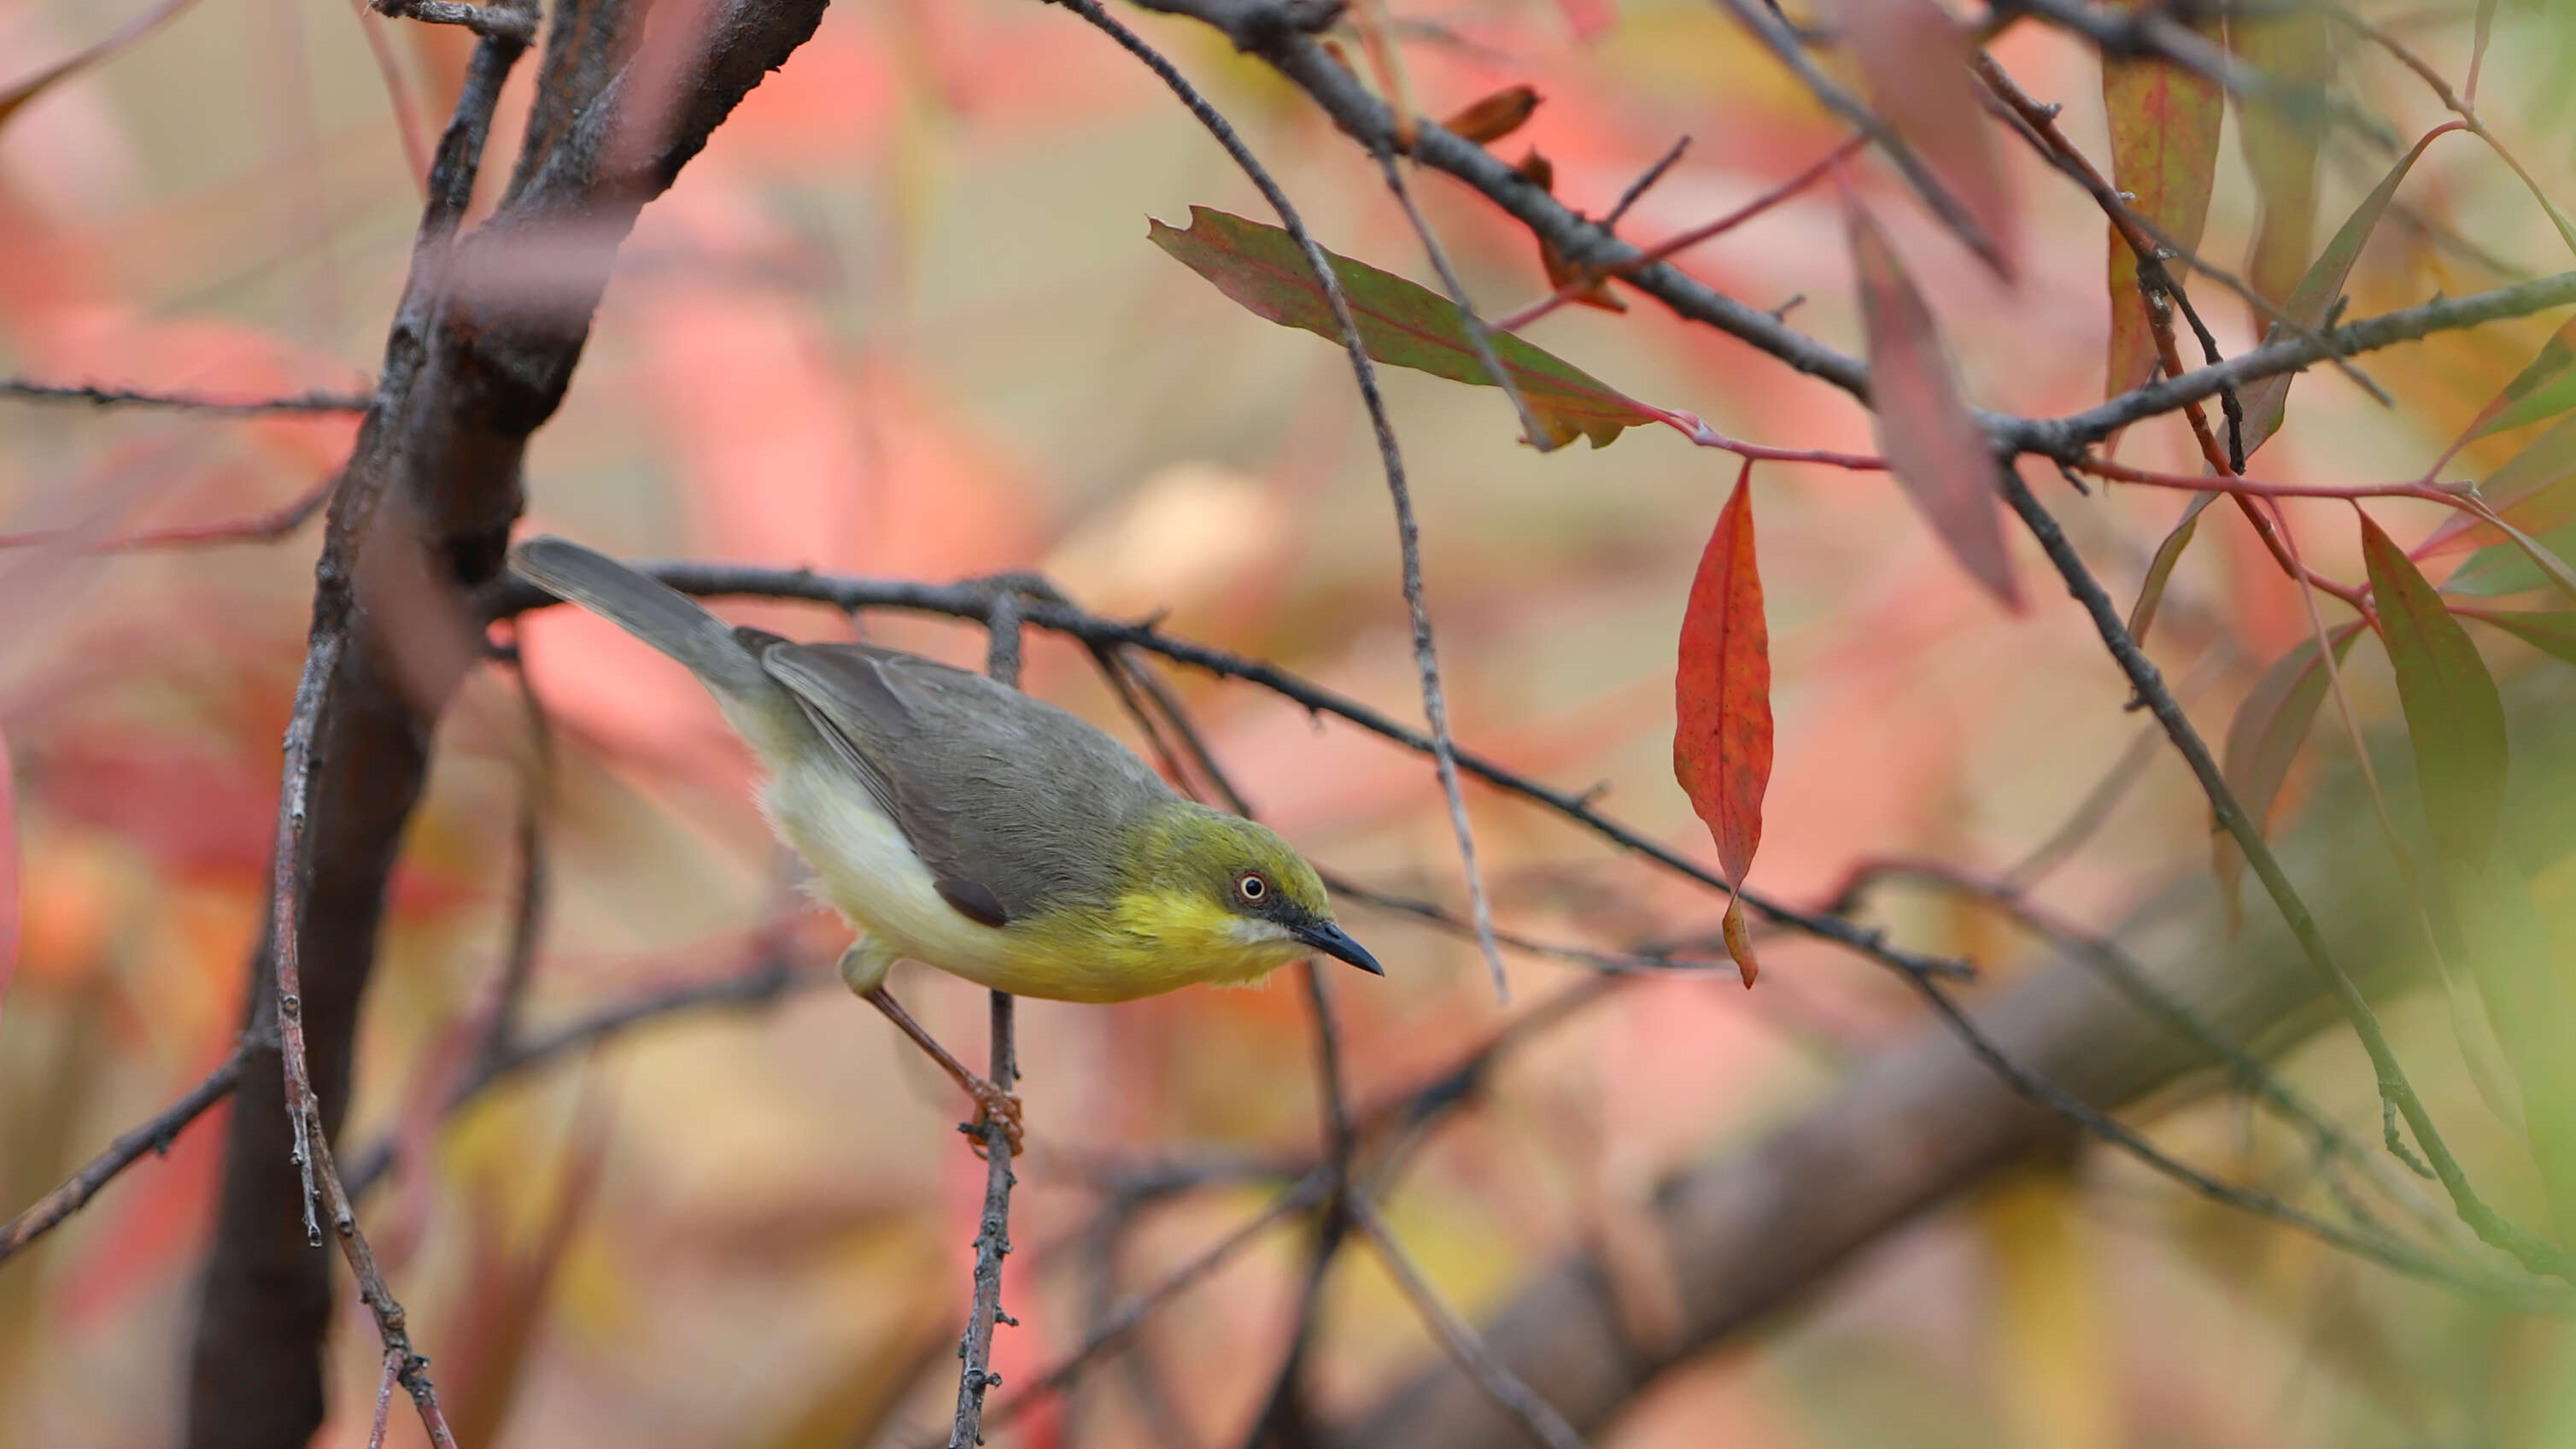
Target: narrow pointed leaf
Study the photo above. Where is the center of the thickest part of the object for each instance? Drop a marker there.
(2511, 567)
(1722, 688)
(2317, 291)
(2454, 718)
(2521, 970)
(2151, 592)
(1934, 447)
(2164, 156)
(1915, 59)
(2535, 489)
(2296, 48)
(1401, 324)
(2551, 633)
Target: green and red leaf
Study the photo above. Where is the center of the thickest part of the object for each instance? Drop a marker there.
(2454, 717)
(1932, 444)
(2164, 156)
(1401, 324)
(2521, 562)
(2317, 291)
(1722, 688)
(2535, 490)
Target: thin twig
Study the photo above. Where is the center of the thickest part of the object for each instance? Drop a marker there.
(1435, 709)
(1638, 188)
(95, 395)
(993, 1228)
(266, 527)
(1536, 1415)
(968, 601)
(151, 1137)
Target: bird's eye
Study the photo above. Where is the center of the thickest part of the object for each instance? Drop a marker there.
(1252, 887)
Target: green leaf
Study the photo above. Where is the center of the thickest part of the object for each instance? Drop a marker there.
(2543, 389)
(2164, 155)
(2294, 46)
(2550, 633)
(2535, 489)
(2454, 718)
(2308, 303)
(1401, 324)
(2520, 562)
(2151, 592)
(2522, 972)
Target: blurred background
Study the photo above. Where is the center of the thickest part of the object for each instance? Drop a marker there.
(901, 319)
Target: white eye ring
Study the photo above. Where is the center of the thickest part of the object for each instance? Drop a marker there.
(1252, 887)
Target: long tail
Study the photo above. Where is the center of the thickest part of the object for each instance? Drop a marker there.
(651, 611)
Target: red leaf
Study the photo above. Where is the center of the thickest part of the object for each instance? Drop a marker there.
(1931, 443)
(1722, 689)
(2164, 155)
(1915, 59)
(2266, 734)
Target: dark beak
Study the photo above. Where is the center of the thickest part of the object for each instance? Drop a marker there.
(1333, 941)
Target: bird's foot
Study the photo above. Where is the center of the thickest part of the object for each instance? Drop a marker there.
(992, 1104)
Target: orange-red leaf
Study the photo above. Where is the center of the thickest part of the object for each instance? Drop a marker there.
(1739, 940)
(1496, 116)
(1934, 447)
(1915, 59)
(1722, 689)
(2164, 155)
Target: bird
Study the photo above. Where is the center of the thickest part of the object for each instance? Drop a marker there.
(953, 820)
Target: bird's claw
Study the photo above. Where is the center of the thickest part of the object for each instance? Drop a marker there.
(992, 1104)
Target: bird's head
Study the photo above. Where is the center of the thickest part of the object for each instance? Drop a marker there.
(1236, 885)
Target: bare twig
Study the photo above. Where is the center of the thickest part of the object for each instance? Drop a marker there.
(266, 527)
(967, 601)
(993, 1229)
(153, 1136)
(492, 21)
(95, 395)
(1542, 1422)
(1645, 182)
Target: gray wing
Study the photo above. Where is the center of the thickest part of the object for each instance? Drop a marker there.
(1009, 801)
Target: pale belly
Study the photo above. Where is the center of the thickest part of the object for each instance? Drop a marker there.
(865, 869)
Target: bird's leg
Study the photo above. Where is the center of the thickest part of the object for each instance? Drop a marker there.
(991, 1102)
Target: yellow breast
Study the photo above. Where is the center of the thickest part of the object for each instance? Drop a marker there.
(1143, 946)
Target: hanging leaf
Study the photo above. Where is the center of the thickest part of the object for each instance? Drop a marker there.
(2521, 562)
(16, 95)
(2296, 48)
(2543, 389)
(2550, 633)
(1401, 324)
(1915, 60)
(1494, 117)
(1722, 688)
(2151, 592)
(2164, 156)
(1934, 447)
(1739, 940)
(2317, 292)
(2268, 729)
(2454, 717)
